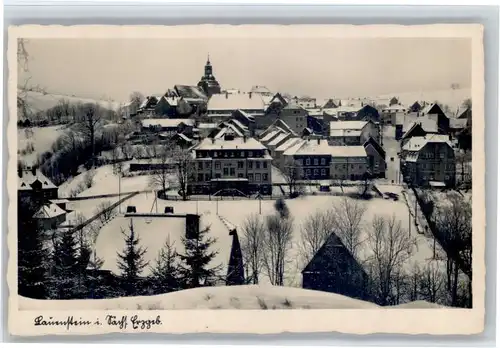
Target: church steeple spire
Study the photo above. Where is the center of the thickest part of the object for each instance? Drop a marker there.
(208, 59)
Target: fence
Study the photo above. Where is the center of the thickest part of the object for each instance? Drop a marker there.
(111, 207)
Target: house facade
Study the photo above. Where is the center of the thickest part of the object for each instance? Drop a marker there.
(227, 163)
(352, 133)
(295, 116)
(34, 185)
(377, 165)
(429, 161)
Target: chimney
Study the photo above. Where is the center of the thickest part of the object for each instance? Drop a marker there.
(250, 95)
(245, 138)
(213, 140)
(319, 141)
(33, 170)
(192, 226)
(227, 94)
(20, 172)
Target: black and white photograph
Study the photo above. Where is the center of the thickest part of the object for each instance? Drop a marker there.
(243, 172)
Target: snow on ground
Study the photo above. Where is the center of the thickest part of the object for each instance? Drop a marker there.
(106, 182)
(222, 297)
(236, 211)
(42, 139)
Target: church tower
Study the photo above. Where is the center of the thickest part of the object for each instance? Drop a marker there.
(208, 82)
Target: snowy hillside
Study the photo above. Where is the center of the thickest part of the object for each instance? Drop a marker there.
(38, 139)
(451, 97)
(39, 101)
(223, 297)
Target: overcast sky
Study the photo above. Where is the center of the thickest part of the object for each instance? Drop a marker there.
(323, 67)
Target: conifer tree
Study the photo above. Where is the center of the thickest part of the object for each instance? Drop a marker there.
(32, 254)
(131, 262)
(194, 269)
(165, 273)
(67, 268)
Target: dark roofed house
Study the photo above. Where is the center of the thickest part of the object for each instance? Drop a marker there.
(435, 112)
(334, 269)
(376, 158)
(368, 113)
(33, 184)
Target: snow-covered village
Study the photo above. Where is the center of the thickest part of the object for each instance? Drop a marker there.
(202, 188)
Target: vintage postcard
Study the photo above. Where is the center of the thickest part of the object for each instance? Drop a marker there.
(246, 179)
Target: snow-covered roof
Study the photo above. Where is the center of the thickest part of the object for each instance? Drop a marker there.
(321, 147)
(28, 179)
(207, 125)
(220, 102)
(417, 143)
(229, 129)
(271, 134)
(237, 143)
(458, 123)
(238, 124)
(315, 112)
(353, 125)
(260, 90)
(395, 108)
(166, 122)
(172, 101)
(185, 137)
(278, 139)
(287, 144)
(345, 133)
(49, 211)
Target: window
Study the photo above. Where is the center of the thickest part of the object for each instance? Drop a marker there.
(207, 165)
(225, 154)
(250, 165)
(215, 153)
(446, 177)
(217, 175)
(323, 161)
(226, 171)
(323, 172)
(352, 166)
(257, 165)
(315, 161)
(264, 164)
(250, 153)
(240, 164)
(250, 177)
(299, 162)
(242, 153)
(207, 177)
(308, 162)
(315, 172)
(240, 175)
(264, 177)
(344, 166)
(257, 177)
(360, 166)
(308, 172)
(232, 171)
(200, 177)
(232, 153)
(441, 155)
(217, 165)
(200, 165)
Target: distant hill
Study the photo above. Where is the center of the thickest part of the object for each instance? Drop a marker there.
(38, 101)
(451, 97)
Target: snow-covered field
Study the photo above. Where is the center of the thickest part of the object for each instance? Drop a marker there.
(42, 139)
(106, 182)
(39, 101)
(223, 297)
(451, 97)
(156, 231)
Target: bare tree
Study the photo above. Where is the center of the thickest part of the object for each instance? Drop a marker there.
(348, 217)
(316, 229)
(391, 247)
(291, 173)
(467, 103)
(90, 123)
(277, 245)
(184, 169)
(454, 228)
(161, 176)
(106, 212)
(88, 178)
(432, 283)
(252, 243)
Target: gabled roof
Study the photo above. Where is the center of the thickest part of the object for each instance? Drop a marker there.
(321, 147)
(375, 145)
(191, 92)
(248, 116)
(278, 140)
(462, 112)
(432, 109)
(293, 106)
(325, 252)
(395, 108)
(417, 143)
(172, 101)
(229, 129)
(28, 178)
(260, 90)
(48, 211)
